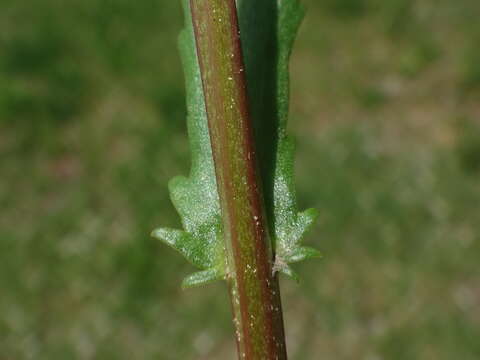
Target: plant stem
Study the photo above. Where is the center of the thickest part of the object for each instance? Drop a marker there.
(253, 287)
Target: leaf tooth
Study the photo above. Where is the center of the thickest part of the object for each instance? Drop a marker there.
(287, 270)
(178, 186)
(170, 237)
(305, 221)
(308, 217)
(203, 277)
(298, 254)
(301, 253)
(183, 242)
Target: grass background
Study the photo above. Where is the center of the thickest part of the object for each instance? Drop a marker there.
(385, 105)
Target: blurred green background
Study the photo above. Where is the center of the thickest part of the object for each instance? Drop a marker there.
(386, 108)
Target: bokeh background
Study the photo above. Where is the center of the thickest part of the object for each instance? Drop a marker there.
(386, 108)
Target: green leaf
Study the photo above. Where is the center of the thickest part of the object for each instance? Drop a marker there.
(268, 30)
(203, 277)
(196, 198)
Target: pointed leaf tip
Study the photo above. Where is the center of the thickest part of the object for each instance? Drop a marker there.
(202, 277)
(307, 218)
(185, 243)
(287, 270)
(301, 253)
(171, 237)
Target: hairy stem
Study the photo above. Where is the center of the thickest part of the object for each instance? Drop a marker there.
(253, 286)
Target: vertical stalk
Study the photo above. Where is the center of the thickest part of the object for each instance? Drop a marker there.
(254, 289)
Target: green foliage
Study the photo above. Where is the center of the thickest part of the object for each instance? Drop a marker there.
(196, 198)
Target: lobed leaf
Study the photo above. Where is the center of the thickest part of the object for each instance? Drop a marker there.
(268, 30)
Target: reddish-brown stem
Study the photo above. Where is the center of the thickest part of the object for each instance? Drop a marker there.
(253, 287)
